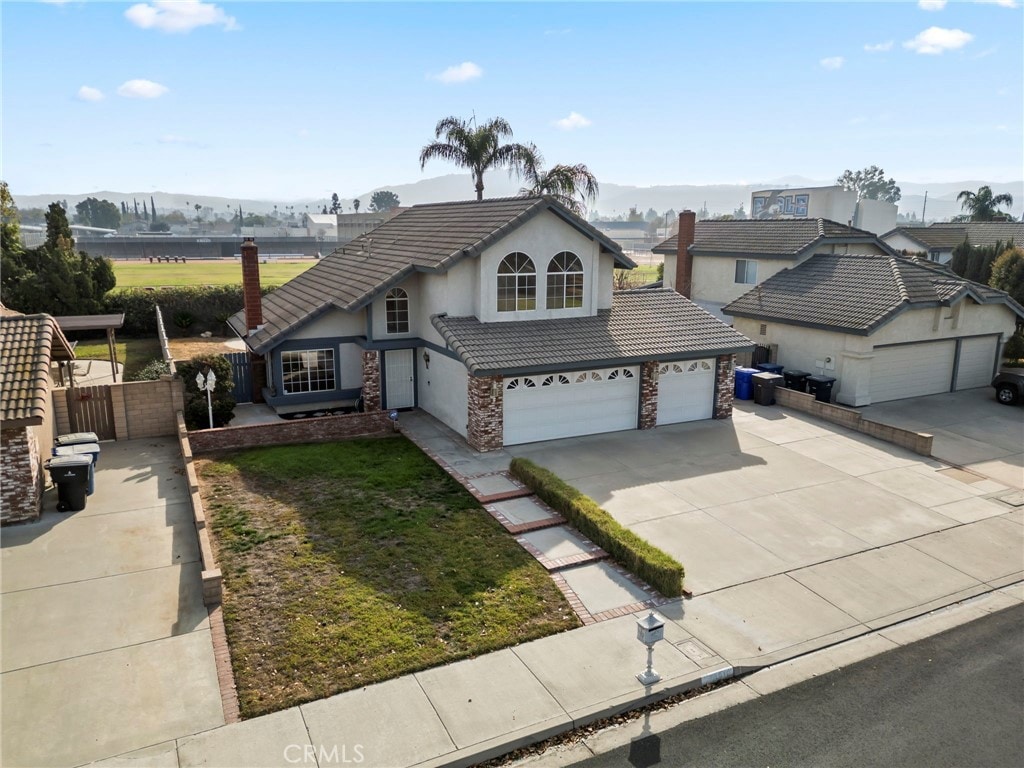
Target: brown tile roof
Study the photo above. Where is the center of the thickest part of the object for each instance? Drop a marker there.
(27, 344)
(938, 238)
(642, 325)
(987, 233)
(857, 294)
(424, 238)
(768, 238)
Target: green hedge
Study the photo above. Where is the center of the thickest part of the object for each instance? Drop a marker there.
(187, 310)
(639, 557)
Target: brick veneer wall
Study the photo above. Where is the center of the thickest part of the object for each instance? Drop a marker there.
(21, 476)
(725, 381)
(371, 380)
(648, 395)
(319, 430)
(486, 428)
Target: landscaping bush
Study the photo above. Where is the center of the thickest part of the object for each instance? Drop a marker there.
(223, 401)
(206, 308)
(150, 372)
(1013, 351)
(639, 557)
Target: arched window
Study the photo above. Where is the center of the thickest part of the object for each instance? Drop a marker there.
(565, 281)
(396, 310)
(517, 283)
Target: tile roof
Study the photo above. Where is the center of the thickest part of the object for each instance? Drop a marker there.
(27, 344)
(641, 325)
(767, 238)
(424, 238)
(944, 238)
(857, 294)
(987, 233)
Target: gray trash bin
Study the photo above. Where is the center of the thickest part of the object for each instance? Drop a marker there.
(71, 476)
(78, 438)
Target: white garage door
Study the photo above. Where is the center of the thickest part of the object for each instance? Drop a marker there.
(911, 370)
(557, 405)
(977, 362)
(686, 391)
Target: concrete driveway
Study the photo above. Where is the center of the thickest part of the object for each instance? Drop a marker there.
(105, 640)
(971, 430)
(776, 492)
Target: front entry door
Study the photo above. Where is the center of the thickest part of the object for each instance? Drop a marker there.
(398, 377)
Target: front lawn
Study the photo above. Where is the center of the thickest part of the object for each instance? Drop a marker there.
(350, 563)
(136, 354)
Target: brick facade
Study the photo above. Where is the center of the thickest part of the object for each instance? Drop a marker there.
(371, 380)
(725, 381)
(319, 430)
(684, 259)
(21, 476)
(251, 285)
(486, 428)
(648, 395)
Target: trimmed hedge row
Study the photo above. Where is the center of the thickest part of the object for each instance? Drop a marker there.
(639, 557)
(187, 310)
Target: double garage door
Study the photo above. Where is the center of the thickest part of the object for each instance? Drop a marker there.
(928, 368)
(551, 406)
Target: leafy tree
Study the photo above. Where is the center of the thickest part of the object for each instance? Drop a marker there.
(1008, 273)
(159, 226)
(198, 207)
(10, 234)
(975, 262)
(571, 185)
(152, 208)
(356, 203)
(739, 214)
(383, 200)
(335, 204)
(221, 398)
(33, 216)
(870, 184)
(98, 213)
(651, 215)
(175, 217)
(983, 205)
(634, 214)
(478, 148)
(253, 220)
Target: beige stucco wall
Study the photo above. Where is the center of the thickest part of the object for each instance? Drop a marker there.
(331, 324)
(441, 389)
(714, 278)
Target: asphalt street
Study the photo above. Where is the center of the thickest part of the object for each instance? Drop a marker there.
(955, 699)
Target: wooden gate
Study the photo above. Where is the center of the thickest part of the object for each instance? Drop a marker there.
(91, 409)
(241, 374)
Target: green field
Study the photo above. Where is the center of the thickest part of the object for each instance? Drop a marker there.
(136, 274)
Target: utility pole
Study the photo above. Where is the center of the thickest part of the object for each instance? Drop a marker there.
(925, 206)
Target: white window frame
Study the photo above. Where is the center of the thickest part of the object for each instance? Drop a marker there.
(565, 281)
(313, 369)
(749, 274)
(396, 311)
(519, 277)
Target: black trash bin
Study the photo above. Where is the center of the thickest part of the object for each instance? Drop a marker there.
(796, 380)
(71, 476)
(821, 388)
(92, 450)
(764, 387)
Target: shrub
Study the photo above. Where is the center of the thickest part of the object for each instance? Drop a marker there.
(151, 371)
(1013, 351)
(208, 306)
(223, 401)
(630, 551)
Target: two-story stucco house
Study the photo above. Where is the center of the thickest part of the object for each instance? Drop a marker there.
(497, 317)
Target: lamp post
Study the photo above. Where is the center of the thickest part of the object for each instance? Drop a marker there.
(649, 630)
(207, 380)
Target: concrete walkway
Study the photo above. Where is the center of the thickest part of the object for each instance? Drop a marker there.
(105, 640)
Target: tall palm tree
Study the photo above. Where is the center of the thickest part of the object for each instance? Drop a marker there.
(572, 185)
(982, 204)
(476, 147)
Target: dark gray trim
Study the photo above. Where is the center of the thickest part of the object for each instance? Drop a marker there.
(317, 342)
(580, 365)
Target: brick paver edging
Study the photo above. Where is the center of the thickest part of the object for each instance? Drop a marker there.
(592, 554)
(225, 672)
(552, 520)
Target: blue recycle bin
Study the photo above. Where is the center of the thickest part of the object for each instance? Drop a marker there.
(744, 383)
(78, 438)
(770, 368)
(89, 450)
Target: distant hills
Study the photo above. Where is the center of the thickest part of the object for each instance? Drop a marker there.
(615, 199)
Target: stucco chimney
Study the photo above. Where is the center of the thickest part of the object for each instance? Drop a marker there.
(684, 260)
(251, 285)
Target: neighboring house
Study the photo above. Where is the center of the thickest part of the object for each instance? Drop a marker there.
(28, 344)
(497, 317)
(887, 327)
(321, 225)
(936, 242)
(719, 261)
(834, 203)
(352, 225)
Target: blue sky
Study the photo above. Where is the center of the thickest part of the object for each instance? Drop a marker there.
(292, 100)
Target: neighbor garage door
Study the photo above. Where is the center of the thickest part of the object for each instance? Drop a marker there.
(686, 391)
(976, 365)
(546, 407)
(911, 370)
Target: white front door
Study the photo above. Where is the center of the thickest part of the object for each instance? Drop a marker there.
(399, 388)
(686, 391)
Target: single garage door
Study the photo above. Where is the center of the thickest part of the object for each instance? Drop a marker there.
(977, 362)
(686, 391)
(547, 407)
(911, 370)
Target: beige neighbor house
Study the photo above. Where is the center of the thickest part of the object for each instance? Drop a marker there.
(716, 262)
(936, 242)
(496, 316)
(28, 345)
(887, 327)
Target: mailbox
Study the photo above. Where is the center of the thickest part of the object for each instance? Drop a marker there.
(650, 629)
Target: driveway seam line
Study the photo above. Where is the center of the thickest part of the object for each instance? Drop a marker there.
(99, 578)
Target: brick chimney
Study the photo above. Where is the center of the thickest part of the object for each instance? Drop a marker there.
(684, 261)
(251, 285)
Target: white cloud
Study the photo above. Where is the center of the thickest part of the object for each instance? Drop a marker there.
(931, 5)
(1000, 3)
(460, 73)
(878, 47)
(178, 15)
(141, 89)
(936, 40)
(572, 121)
(832, 62)
(88, 93)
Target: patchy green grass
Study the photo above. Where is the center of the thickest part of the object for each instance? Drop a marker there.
(136, 354)
(350, 563)
(142, 274)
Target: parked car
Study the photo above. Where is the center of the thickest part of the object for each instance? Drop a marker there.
(1009, 386)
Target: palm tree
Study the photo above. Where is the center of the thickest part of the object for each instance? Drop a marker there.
(476, 147)
(983, 204)
(571, 185)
